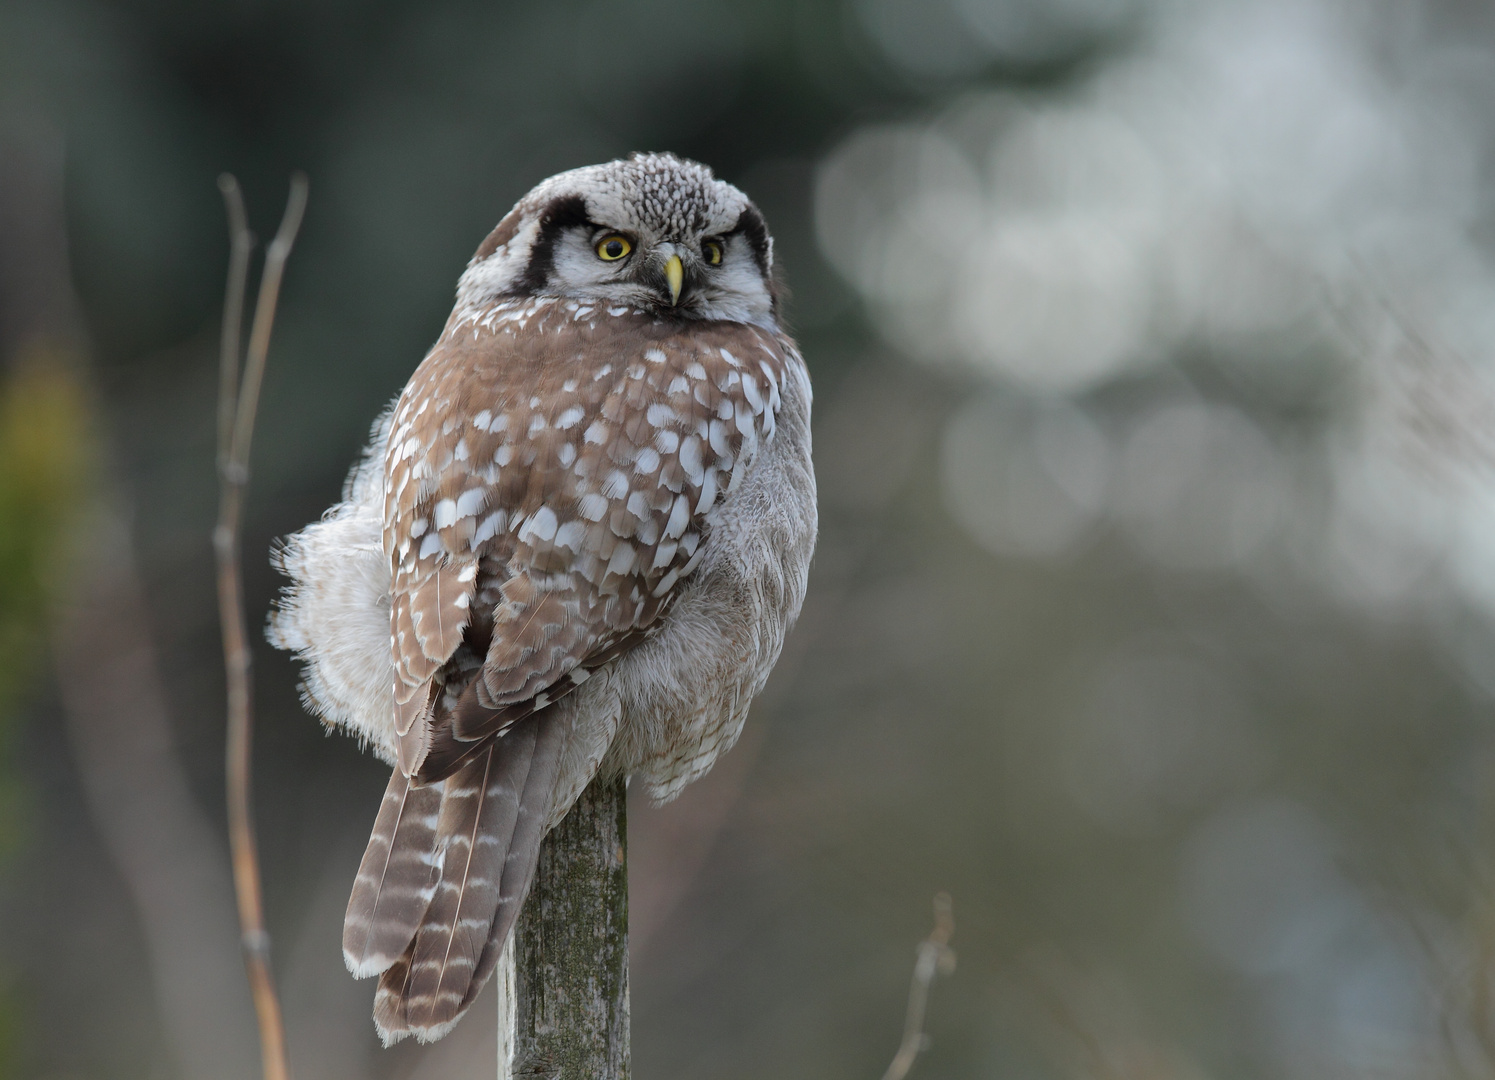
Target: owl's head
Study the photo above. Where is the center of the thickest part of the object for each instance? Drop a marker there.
(653, 231)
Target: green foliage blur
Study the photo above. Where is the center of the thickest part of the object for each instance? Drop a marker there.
(45, 485)
(45, 442)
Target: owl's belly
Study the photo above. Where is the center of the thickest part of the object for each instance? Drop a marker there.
(685, 692)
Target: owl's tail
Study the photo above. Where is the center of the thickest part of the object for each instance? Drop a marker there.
(444, 875)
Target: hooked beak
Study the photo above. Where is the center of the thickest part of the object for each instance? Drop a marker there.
(674, 275)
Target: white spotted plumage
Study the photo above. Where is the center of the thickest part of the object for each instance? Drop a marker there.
(576, 543)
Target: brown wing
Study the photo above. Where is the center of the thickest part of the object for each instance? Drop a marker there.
(552, 471)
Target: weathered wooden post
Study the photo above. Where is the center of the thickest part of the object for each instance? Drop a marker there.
(563, 981)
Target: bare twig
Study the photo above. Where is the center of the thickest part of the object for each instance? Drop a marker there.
(935, 958)
(241, 243)
(239, 404)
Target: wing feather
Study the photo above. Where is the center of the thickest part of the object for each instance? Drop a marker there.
(413, 727)
(577, 466)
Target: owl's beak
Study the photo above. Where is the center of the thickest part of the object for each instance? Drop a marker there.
(674, 275)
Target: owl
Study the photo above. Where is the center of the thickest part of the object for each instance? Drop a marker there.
(572, 548)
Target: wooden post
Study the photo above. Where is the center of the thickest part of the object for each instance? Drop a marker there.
(564, 978)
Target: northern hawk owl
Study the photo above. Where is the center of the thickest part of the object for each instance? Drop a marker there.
(573, 546)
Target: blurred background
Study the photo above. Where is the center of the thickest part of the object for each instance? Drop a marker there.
(1154, 609)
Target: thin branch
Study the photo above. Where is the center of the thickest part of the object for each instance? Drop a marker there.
(264, 320)
(240, 403)
(935, 958)
(241, 243)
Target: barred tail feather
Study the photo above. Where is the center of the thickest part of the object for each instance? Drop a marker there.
(396, 880)
(492, 818)
(478, 815)
(524, 850)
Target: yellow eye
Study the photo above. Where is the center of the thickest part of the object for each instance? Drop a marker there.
(612, 248)
(713, 252)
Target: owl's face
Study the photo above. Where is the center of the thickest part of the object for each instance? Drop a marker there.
(654, 232)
